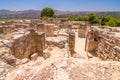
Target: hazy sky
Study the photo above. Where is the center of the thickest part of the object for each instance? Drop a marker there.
(72, 5)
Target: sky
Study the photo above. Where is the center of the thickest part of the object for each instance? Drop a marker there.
(65, 5)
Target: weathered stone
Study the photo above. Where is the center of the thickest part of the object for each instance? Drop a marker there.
(25, 40)
(81, 30)
(40, 27)
(71, 42)
(4, 69)
(22, 25)
(103, 42)
(88, 28)
(67, 69)
(65, 25)
(64, 32)
(91, 42)
(49, 29)
(57, 41)
(34, 56)
(6, 29)
(27, 44)
(1, 29)
(21, 61)
(9, 22)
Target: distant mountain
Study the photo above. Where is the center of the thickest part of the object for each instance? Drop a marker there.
(85, 13)
(7, 14)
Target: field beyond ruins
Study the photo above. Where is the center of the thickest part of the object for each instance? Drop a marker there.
(58, 49)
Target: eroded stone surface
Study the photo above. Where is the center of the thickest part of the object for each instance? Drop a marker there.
(68, 69)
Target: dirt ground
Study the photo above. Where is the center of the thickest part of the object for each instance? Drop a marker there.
(80, 48)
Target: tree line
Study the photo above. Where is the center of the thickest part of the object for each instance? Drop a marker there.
(102, 21)
(91, 18)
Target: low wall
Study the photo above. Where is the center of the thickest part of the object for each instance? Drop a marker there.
(83, 29)
(71, 42)
(40, 27)
(49, 29)
(105, 42)
(108, 47)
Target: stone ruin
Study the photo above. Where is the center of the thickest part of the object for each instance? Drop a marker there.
(28, 39)
(33, 36)
(27, 44)
(83, 29)
(104, 42)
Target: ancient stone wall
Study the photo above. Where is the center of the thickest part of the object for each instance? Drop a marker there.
(65, 25)
(108, 47)
(71, 42)
(40, 27)
(104, 42)
(27, 44)
(83, 29)
(21, 25)
(91, 43)
(49, 29)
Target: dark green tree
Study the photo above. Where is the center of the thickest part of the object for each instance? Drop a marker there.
(104, 19)
(118, 21)
(92, 18)
(47, 12)
(111, 23)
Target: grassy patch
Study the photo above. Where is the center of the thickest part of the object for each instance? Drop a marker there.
(3, 36)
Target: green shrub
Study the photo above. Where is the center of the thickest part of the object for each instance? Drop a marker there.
(92, 18)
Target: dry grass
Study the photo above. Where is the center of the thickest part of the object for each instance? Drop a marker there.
(3, 36)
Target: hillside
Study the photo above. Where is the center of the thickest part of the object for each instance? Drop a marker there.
(7, 14)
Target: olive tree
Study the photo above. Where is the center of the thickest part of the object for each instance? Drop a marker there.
(47, 12)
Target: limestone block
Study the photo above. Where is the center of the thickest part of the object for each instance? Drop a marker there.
(57, 41)
(81, 30)
(71, 42)
(34, 56)
(49, 29)
(65, 25)
(28, 44)
(40, 27)
(91, 42)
